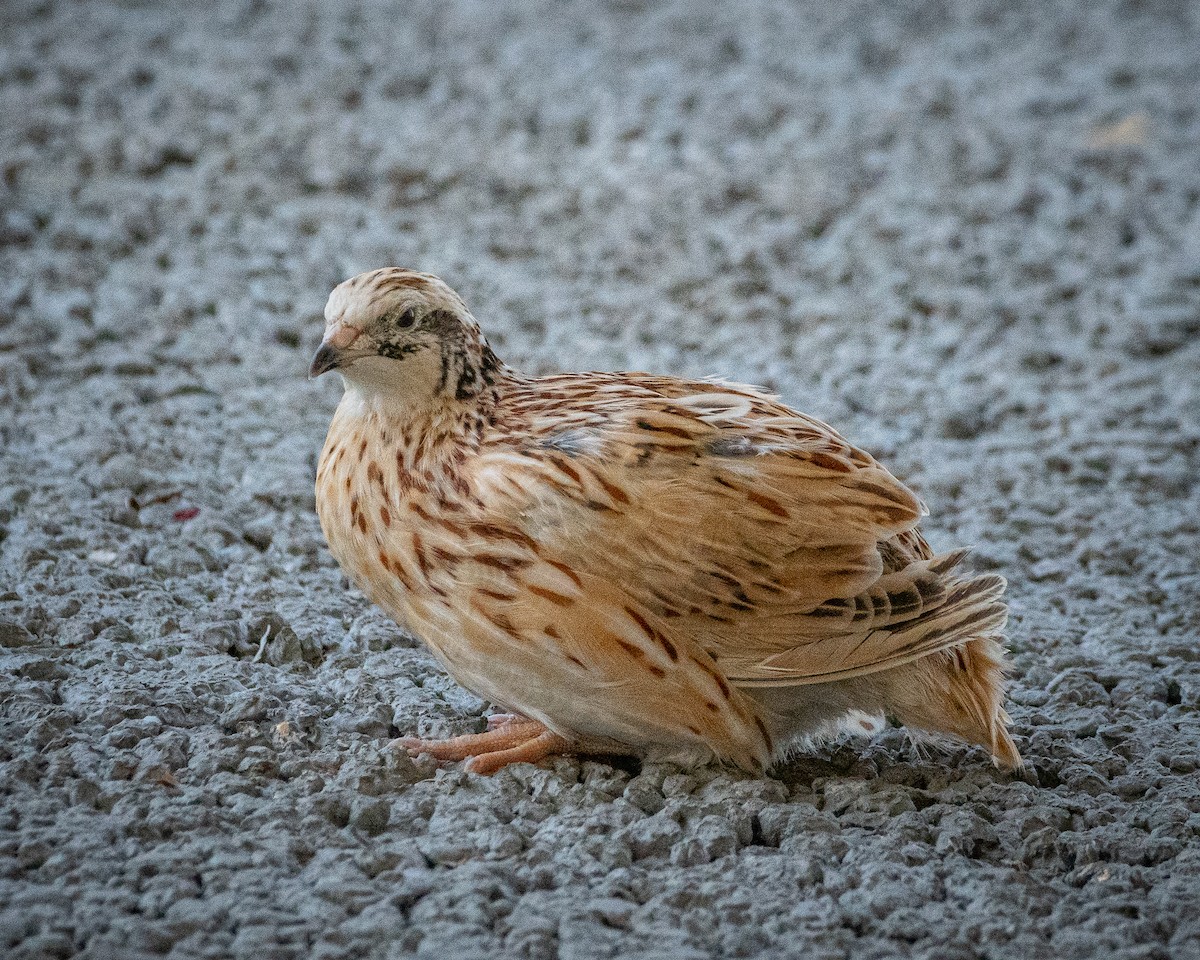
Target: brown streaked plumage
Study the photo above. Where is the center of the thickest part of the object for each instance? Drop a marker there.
(633, 563)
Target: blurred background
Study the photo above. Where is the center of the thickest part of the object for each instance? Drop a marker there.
(966, 234)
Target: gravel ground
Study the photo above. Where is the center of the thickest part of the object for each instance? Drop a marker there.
(967, 234)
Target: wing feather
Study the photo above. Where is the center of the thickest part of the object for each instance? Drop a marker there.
(790, 554)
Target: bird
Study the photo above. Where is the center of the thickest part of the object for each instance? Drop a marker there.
(682, 570)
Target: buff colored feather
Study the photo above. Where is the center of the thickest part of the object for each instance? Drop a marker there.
(626, 562)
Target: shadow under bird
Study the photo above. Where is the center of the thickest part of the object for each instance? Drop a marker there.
(628, 563)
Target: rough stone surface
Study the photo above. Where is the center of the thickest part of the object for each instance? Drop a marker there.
(968, 234)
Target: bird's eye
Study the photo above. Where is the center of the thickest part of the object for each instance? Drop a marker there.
(407, 318)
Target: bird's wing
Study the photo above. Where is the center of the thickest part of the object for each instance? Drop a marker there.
(740, 522)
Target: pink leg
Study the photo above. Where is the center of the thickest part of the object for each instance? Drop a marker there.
(513, 740)
(546, 744)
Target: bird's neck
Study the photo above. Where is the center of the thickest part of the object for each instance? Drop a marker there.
(427, 434)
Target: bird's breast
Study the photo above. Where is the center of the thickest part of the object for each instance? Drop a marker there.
(404, 534)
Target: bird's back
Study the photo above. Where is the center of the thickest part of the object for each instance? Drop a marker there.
(788, 555)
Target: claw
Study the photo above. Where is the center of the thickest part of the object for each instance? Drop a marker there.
(498, 720)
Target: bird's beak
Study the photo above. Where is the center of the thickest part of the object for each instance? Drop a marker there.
(332, 352)
(326, 359)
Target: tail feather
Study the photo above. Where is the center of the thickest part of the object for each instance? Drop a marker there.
(968, 609)
(921, 644)
(959, 692)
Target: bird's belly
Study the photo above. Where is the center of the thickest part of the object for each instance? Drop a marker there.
(522, 678)
(452, 637)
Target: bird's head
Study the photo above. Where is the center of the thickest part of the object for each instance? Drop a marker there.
(407, 334)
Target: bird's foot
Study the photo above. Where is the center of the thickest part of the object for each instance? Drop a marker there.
(512, 739)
